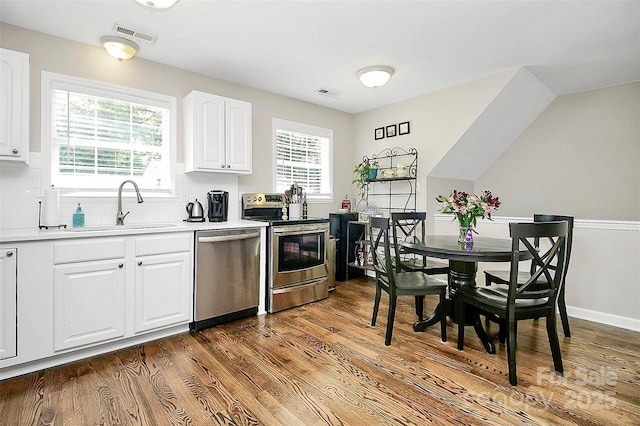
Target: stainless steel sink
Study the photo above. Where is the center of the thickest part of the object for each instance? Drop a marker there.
(130, 227)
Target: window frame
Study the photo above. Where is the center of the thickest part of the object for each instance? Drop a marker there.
(291, 126)
(51, 81)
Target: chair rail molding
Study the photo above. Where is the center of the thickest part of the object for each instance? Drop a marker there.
(618, 225)
(603, 282)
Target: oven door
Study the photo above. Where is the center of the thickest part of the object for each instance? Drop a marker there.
(298, 253)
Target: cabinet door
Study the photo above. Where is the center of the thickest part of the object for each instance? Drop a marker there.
(162, 291)
(210, 148)
(238, 135)
(14, 106)
(8, 322)
(89, 303)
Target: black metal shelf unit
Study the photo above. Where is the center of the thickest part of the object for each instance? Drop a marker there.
(394, 187)
(358, 232)
(392, 190)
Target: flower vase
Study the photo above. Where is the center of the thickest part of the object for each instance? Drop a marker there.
(466, 235)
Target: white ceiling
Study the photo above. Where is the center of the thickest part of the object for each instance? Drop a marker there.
(294, 48)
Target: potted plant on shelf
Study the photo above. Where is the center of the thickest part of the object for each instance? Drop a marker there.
(364, 172)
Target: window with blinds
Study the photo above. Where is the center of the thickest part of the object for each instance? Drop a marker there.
(101, 135)
(303, 156)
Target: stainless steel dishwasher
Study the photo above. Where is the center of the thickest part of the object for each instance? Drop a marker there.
(227, 276)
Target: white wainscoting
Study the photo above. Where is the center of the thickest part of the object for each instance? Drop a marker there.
(603, 281)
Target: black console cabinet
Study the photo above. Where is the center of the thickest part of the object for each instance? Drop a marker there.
(344, 252)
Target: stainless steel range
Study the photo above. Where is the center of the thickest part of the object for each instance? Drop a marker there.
(297, 271)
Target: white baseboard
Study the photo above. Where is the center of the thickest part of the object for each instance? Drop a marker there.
(604, 318)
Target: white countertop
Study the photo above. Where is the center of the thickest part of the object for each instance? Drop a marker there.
(35, 234)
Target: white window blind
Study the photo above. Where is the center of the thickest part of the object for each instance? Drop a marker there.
(100, 136)
(303, 156)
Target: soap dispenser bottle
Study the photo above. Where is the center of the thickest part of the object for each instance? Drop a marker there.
(78, 217)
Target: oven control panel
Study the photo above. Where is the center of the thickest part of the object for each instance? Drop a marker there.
(262, 200)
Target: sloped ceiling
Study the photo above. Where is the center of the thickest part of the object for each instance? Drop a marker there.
(517, 105)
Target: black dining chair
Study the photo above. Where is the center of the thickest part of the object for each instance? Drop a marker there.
(410, 227)
(404, 283)
(502, 277)
(523, 300)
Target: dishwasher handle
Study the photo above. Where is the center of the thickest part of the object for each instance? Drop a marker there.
(232, 237)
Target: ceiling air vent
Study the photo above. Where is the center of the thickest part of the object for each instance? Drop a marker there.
(134, 34)
(327, 93)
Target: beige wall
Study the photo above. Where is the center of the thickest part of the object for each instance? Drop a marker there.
(54, 54)
(590, 139)
(580, 157)
(437, 121)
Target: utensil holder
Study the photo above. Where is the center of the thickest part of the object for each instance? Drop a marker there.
(295, 211)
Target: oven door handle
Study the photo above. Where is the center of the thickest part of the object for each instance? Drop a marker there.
(298, 286)
(228, 238)
(299, 232)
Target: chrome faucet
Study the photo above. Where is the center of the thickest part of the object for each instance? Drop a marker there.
(120, 217)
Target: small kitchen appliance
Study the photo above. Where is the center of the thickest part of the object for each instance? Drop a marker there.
(195, 212)
(218, 204)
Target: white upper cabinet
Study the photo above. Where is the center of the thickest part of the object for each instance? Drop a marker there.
(217, 134)
(14, 106)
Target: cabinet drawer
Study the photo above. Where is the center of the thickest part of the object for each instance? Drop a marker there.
(163, 243)
(88, 249)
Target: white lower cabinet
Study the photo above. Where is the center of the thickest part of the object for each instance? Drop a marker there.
(106, 289)
(162, 290)
(89, 303)
(71, 298)
(8, 302)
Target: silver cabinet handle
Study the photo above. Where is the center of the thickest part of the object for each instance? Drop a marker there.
(9, 253)
(15, 150)
(121, 265)
(140, 263)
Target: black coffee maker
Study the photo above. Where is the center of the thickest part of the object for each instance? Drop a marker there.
(218, 204)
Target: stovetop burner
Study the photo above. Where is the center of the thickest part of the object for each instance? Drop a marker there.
(267, 207)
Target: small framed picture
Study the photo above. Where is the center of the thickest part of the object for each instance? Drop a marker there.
(403, 128)
(379, 134)
(391, 131)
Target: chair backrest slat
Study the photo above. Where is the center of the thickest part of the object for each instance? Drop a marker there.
(549, 267)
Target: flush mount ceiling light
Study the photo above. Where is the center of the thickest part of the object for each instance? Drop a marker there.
(157, 4)
(375, 76)
(119, 47)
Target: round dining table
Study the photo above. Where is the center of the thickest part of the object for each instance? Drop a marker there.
(463, 265)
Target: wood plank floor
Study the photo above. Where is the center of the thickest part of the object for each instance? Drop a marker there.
(323, 364)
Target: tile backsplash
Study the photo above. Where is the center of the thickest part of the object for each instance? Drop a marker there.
(21, 189)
